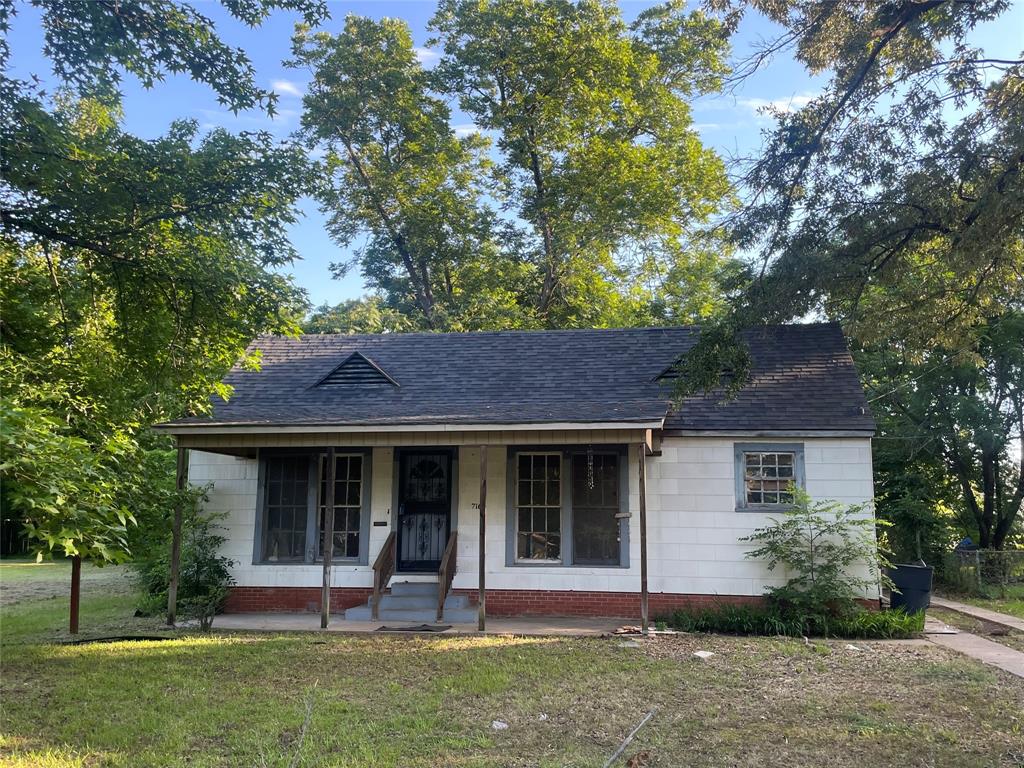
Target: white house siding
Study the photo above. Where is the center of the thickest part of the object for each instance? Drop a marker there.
(694, 531)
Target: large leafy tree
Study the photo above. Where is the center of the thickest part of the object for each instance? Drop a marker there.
(586, 209)
(950, 421)
(893, 201)
(394, 169)
(134, 271)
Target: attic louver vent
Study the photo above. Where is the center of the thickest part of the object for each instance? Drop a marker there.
(356, 371)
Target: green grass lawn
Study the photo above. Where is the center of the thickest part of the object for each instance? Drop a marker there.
(251, 699)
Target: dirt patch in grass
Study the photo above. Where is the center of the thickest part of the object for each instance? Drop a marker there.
(987, 629)
(24, 581)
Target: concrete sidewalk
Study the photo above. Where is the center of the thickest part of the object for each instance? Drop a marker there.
(984, 614)
(985, 651)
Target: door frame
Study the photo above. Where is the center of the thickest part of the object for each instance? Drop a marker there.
(396, 490)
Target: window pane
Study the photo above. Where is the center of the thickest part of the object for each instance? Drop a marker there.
(284, 533)
(595, 529)
(539, 506)
(767, 477)
(347, 507)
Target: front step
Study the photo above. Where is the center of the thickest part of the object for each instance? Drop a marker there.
(415, 602)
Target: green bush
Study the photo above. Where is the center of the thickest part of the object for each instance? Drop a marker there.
(831, 555)
(204, 575)
(770, 620)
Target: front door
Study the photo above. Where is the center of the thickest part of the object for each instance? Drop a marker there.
(424, 508)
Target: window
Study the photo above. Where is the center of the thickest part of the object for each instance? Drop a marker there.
(539, 506)
(568, 508)
(292, 511)
(287, 484)
(595, 509)
(767, 474)
(348, 505)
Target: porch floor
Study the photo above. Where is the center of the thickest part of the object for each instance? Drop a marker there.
(310, 622)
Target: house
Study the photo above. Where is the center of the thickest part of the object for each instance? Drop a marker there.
(595, 494)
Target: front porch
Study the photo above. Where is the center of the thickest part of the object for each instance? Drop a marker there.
(428, 525)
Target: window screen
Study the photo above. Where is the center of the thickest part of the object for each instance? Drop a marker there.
(595, 504)
(539, 506)
(287, 485)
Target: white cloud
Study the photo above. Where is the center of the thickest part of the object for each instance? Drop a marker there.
(287, 88)
(252, 121)
(465, 129)
(426, 57)
(785, 104)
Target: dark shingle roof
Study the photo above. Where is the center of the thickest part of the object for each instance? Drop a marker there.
(803, 379)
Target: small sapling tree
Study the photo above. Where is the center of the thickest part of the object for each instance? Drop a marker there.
(830, 553)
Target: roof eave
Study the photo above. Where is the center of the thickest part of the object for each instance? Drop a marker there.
(533, 426)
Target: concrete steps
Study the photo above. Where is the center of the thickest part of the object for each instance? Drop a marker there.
(415, 602)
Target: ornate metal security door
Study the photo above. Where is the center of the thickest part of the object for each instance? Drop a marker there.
(424, 509)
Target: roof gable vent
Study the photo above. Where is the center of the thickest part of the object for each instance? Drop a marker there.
(356, 370)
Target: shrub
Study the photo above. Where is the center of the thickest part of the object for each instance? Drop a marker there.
(204, 575)
(770, 620)
(831, 551)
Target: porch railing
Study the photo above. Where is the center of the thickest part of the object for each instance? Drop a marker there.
(383, 570)
(446, 573)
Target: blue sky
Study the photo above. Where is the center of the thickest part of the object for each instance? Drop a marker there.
(730, 124)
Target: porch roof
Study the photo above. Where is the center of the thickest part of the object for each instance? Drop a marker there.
(802, 379)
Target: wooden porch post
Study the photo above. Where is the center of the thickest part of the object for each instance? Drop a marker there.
(482, 590)
(325, 593)
(76, 592)
(172, 586)
(644, 616)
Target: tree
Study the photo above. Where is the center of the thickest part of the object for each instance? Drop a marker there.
(394, 169)
(135, 272)
(367, 315)
(92, 44)
(587, 209)
(893, 202)
(963, 409)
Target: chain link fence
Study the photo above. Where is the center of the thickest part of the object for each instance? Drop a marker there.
(985, 572)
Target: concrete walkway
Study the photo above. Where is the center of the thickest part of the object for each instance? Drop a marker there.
(985, 651)
(969, 644)
(984, 614)
(310, 622)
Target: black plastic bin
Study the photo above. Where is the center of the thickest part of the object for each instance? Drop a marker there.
(914, 583)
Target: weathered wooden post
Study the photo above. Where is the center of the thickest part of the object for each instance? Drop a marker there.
(325, 593)
(76, 591)
(481, 588)
(644, 615)
(172, 586)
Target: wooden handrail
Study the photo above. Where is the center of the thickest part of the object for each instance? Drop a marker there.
(446, 573)
(383, 570)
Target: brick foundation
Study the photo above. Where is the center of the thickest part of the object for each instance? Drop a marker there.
(500, 602)
(261, 599)
(540, 602)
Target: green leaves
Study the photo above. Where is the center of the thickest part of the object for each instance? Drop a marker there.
(581, 195)
(90, 44)
(828, 551)
(66, 493)
(136, 271)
